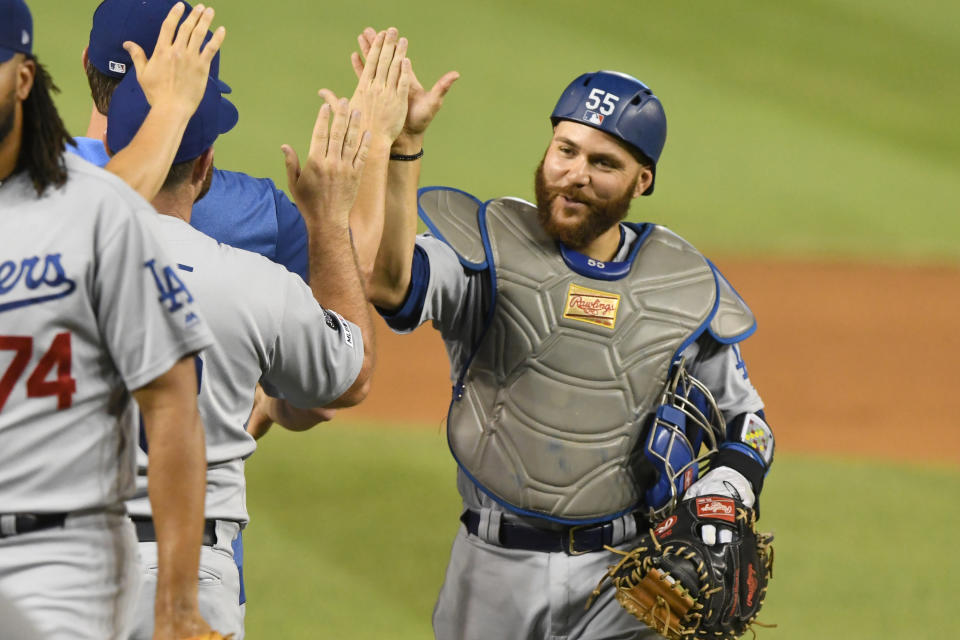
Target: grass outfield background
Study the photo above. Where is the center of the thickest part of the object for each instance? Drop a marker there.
(812, 128)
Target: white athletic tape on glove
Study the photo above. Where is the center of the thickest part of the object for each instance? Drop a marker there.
(709, 535)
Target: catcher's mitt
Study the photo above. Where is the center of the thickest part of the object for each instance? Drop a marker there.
(685, 589)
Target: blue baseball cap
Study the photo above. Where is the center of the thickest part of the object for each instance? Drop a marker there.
(117, 21)
(16, 29)
(620, 105)
(129, 108)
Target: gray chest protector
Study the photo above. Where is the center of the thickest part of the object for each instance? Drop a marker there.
(550, 407)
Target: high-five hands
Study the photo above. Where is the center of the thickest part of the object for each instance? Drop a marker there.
(423, 105)
(383, 86)
(326, 186)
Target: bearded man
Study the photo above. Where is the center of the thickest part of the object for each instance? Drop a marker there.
(565, 327)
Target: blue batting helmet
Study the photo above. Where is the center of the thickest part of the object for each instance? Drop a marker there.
(617, 104)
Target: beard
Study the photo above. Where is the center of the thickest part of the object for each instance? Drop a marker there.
(600, 215)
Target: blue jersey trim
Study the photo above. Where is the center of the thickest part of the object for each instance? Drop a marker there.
(743, 335)
(436, 232)
(537, 514)
(590, 268)
(406, 318)
(237, 546)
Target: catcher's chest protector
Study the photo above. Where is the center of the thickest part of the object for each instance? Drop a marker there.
(570, 367)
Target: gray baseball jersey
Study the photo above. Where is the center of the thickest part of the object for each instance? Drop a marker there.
(87, 313)
(90, 308)
(268, 328)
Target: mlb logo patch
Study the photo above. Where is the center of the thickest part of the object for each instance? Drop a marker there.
(24, 38)
(117, 67)
(593, 117)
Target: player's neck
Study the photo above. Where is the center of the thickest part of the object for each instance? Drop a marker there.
(177, 203)
(97, 128)
(604, 247)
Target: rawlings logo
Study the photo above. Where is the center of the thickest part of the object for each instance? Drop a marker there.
(589, 305)
(717, 508)
(751, 584)
(664, 528)
(42, 279)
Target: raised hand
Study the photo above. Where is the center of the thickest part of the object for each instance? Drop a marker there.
(423, 105)
(326, 186)
(176, 74)
(383, 85)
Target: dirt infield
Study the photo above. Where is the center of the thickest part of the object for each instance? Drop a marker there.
(851, 359)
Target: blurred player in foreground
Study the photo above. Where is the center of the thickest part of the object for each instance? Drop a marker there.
(564, 326)
(85, 325)
(268, 325)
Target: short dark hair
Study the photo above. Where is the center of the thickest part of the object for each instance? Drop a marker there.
(45, 137)
(178, 174)
(102, 87)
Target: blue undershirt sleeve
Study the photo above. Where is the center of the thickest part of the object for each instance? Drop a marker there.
(407, 317)
(291, 248)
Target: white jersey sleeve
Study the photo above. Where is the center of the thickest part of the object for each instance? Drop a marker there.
(268, 328)
(82, 322)
(317, 354)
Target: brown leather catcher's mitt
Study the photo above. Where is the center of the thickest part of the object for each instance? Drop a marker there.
(686, 589)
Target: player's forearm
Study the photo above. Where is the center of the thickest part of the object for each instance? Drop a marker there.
(296, 419)
(335, 282)
(366, 216)
(145, 162)
(392, 269)
(176, 481)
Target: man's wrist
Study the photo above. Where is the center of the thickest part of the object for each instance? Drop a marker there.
(174, 110)
(407, 144)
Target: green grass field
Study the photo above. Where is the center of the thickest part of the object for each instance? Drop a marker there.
(815, 128)
(811, 127)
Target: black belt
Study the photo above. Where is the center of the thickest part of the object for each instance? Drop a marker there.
(16, 523)
(147, 533)
(573, 540)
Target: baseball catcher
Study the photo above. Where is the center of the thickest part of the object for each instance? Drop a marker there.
(702, 571)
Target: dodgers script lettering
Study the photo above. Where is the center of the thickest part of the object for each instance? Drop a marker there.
(33, 280)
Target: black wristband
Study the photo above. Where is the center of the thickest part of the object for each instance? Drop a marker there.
(407, 158)
(748, 467)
